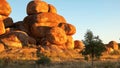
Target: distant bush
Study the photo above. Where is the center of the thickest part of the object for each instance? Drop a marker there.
(94, 46)
(43, 60)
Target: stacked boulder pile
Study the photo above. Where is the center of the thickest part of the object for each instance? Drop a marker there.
(10, 34)
(42, 27)
(47, 27)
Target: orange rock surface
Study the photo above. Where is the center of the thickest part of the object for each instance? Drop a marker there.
(2, 27)
(57, 36)
(69, 28)
(5, 8)
(78, 44)
(17, 39)
(70, 42)
(52, 9)
(113, 45)
(37, 7)
(2, 48)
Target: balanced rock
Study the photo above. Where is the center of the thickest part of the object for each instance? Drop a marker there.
(69, 29)
(70, 42)
(56, 36)
(35, 7)
(78, 44)
(5, 8)
(17, 39)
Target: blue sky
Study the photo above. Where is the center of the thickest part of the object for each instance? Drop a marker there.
(102, 17)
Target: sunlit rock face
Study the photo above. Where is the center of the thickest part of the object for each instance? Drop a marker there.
(2, 48)
(2, 27)
(113, 45)
(5, 8)
(34, 23)
(109, 50)
(16, 39)
(70, 42)
(5, 11)
(43, 22)
(42, 26)
(79, 44)
(52, 9)
(68, 28)
(35, 7)
(57, 36)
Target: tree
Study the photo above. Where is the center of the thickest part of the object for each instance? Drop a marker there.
(93, 45)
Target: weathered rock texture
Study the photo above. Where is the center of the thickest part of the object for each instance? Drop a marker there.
(79, 44)
(70, 42)
(5, 8)
(5, 11)
(2, 48)
(35, 7)
(57, 35)
(2, 27)
(42, 27)
(69, 28)
(47, 27)
(16, 39)
(52, 9)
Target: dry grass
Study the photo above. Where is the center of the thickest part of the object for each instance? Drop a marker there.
(24, 58)
(69, 64)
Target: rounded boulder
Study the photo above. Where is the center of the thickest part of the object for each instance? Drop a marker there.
(52, 9)
(5, 8)
(35, 7)
(16, 39)
(56, 35)
(78, 44)
(69, 28)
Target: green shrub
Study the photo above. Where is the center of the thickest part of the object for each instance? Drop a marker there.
(43, 60)
(86, 58)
